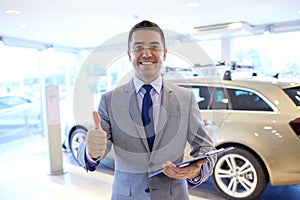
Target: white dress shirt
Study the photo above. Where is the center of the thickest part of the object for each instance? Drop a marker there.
(155, 96)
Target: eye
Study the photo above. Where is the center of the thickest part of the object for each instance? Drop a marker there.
(155, 46)
(138, 47)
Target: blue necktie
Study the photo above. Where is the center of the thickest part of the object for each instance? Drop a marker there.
(147, 116)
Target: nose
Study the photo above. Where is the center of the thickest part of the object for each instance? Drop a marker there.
(147, 53)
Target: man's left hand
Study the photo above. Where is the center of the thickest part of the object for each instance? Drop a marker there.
(188, 172)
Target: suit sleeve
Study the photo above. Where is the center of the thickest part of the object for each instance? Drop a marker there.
(200, 141)
(85, 160)
(82, 156)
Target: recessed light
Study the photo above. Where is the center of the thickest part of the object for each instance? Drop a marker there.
(23, 26)
(298, 11)
(193, 4)
(12, 12)
(84, 53)
(235, 25)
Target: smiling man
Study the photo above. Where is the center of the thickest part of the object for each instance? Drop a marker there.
(148, 121)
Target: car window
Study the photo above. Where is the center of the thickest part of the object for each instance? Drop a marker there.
(247, 100)
(202, 95)
(205, 94)
(219, 99)
(7, 102)
(294, 94)
(3, 105)
(195, 90)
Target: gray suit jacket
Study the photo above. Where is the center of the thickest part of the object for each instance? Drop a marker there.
(180, 122)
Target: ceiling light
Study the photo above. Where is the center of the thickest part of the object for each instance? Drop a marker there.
(235, 25)
(193, 4)
(84, 53)
(23, 26)
(224, 27)
(12, 12)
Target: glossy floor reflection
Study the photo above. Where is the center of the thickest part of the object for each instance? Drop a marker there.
(24, 174)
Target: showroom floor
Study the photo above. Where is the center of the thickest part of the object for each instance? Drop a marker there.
(24, 174)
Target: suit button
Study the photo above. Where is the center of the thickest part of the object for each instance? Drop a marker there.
(147, 190)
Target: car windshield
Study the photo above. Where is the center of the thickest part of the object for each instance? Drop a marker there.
(6, 102)
(294, 94)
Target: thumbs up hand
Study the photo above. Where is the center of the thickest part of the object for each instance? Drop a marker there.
(96, 139)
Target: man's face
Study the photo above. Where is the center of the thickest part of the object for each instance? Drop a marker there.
(147, 54)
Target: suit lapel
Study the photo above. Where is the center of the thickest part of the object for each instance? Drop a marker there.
(135, 113)
(165, 110)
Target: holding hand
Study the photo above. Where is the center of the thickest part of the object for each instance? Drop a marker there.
(96, 139)
(189, 172)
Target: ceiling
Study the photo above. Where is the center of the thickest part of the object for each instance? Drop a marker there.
(87, 23)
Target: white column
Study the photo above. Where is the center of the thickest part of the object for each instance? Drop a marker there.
(225, 42)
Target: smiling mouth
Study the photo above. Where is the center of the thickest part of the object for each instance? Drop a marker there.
(147, 63)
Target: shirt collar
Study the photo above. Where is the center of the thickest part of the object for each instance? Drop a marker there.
(156, 84)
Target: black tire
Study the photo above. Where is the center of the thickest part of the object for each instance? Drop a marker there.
(238, 174)
(77, 136)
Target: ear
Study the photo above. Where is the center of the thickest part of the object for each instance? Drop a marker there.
(129, 55)
(165, 53)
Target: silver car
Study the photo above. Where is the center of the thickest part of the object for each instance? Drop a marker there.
(260, 118)
(19, 111)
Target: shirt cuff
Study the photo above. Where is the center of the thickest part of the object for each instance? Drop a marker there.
(197, 180)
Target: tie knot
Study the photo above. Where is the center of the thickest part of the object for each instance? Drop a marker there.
(147, 87)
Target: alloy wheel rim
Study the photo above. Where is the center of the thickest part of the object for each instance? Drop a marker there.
(236, 176)
(76, 141)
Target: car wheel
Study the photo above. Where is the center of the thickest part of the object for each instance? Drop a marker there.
(77, 136)
(239, 175)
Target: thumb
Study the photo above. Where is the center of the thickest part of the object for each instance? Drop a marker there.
(202, 161)
(97, 119)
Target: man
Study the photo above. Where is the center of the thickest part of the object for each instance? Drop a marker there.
(149, 122)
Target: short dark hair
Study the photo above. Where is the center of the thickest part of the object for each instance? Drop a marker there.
(149, 26)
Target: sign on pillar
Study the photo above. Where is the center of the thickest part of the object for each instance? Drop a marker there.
(54, 134)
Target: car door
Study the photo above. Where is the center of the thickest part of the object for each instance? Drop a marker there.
(213, 103)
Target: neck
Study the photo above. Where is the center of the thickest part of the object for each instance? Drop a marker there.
(147, 80)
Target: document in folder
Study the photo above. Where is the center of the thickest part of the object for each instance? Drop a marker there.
(188, 162)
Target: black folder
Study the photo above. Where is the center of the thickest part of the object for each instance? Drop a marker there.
(188, 162)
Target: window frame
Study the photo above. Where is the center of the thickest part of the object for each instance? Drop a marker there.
(213, 87)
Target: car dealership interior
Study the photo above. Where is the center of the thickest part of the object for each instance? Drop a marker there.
(240, 59)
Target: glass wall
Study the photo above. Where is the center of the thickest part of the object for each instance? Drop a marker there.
(19, 71)
(60, 68)
(269, 54)
(20, 93)
(25, 72)
(214, 50)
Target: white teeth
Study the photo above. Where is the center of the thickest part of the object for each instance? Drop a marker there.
(146, 63)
